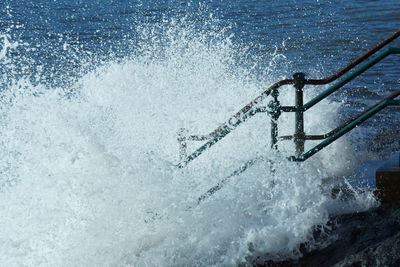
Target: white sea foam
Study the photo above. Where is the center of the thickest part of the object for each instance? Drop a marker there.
(7, 45)
(88, 178)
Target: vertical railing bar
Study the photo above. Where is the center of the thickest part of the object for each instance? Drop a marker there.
(299, 134)
(341, 132)
(275, 113)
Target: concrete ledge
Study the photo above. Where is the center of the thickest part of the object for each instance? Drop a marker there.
(388, 179)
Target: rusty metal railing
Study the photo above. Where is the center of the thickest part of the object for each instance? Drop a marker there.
(274, 109)
(346, 127)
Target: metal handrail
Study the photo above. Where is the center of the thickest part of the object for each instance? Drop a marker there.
(351, 76)
(334, 131)
(275, 109)
(322, 81)
(349, 125)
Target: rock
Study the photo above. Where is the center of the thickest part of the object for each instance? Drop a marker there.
(370, 238)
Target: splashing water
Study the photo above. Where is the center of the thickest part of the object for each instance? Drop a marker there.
(7, 45)
(88, 176)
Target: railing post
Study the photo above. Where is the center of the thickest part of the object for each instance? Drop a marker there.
(275, 112)
(299, 135)
(182, 144)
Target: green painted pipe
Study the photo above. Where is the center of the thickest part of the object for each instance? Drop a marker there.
(226, 130)
(362, 68)
(229, 128)
(345, 130)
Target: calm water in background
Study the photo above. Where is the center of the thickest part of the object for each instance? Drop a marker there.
(85, 180)
(326, 33)
(316, 37)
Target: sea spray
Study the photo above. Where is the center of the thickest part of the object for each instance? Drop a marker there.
(88, 170)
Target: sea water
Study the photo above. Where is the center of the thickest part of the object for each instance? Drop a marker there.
(94, 93)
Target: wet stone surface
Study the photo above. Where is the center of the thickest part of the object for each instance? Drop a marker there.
(370, 238)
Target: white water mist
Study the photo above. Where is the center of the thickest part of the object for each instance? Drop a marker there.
(89, 177)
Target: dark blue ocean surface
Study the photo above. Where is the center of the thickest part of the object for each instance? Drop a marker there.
(322, 33)
(315, 37)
